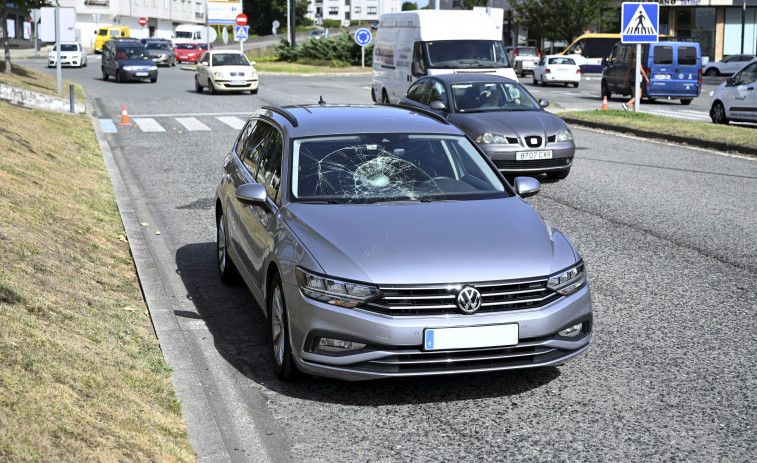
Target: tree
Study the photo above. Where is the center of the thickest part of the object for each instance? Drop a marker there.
(557, 20)
(262, 13)
(469, 4)
(409, 6)
(23, 5)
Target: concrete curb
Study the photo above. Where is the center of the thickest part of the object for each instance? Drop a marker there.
(31, 99)
(713, 145)
(198, 416)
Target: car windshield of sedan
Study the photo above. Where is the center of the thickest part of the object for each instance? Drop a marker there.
(492, 96)
(67, 47)
(230, 59)
(158, 46)
(466, 54)
(372, 168)
(187, 46)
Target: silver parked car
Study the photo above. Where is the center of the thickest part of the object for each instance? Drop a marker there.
(503, 118)
(381, 242)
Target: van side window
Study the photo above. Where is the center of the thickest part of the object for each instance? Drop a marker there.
(687, 56)
(625, 54)
(664, 55)
(418, 55)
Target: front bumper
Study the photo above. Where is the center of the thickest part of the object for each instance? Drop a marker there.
(187, 58)
(161, 59)
(75, 61)
(503, 156)
(226, 85)
(139, 75)
(395, 345)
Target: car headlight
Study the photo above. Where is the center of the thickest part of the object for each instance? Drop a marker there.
(152, 68)
(568, 281)
(491, 138)
(333, 291)
(131, 68)
(564, 135)
(253, 75)
(219, 74)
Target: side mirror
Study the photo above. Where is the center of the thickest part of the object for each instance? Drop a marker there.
(252, 193)
(253, 63)
(415, 69)
(729, 82)
(437, 105)
(543, 103)
(526, 186)
(605, 63)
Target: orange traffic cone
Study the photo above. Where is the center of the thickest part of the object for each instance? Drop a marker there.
(604, 104)
(124, 116)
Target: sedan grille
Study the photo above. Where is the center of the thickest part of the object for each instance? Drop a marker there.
(237, 74)
(441, 299)
(533, 141)
(532, 164)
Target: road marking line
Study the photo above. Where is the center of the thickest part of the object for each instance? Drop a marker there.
(241, 113)
(148, 125)
(231, 121)
(108, 126)
(192, 124)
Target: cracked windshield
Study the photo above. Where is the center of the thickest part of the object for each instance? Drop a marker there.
(391, 167)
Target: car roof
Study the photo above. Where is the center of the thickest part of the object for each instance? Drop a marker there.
(325, 120)
(465, 78)
(224, 52)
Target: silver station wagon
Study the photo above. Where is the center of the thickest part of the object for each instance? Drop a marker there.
(382, 242)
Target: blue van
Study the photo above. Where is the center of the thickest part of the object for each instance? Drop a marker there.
(674, 69)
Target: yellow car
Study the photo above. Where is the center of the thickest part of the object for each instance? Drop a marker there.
(226, 71)
(108, 32)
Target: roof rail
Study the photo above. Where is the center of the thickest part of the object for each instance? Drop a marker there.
(423, 111)
(286, 114)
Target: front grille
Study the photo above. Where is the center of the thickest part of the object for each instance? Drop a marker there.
(441, 299)
(533, 141)
(462, 360)
(532, 164)
(237, 74)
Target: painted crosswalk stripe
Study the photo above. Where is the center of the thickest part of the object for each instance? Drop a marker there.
(108, 126)
(231, 121)
(148, 124)
(192, 124)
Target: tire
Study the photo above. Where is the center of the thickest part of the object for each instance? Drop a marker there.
(373, 94)
(105, 74)
(559, 175)
(278, 324)
(542, 82)
(711, 72)
(534, 78)
(254, 92)
(686, 101)
(226, 268)
(211, 88)
(173, 62)
(384, 97)
(119, 79)
(606, 90)
(198, 87)
(154, 79)
(717, 113)
(575, 84)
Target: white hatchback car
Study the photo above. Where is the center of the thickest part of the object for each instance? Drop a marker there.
(71, 54)
(736, 98)
(557, 69)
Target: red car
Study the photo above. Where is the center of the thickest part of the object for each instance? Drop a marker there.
(188, 52)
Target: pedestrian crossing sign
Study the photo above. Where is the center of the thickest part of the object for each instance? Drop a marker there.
(240, 32)
(640, 22)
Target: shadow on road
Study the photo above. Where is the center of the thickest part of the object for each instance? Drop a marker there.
(240, 335)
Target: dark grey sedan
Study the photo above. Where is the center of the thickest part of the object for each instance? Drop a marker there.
(381, 242)
(506, 121)
(161, 52)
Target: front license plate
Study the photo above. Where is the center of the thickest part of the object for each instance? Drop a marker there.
(141, 74)
(237, 82)
(532, 155)
(662, 76)
(470, 337)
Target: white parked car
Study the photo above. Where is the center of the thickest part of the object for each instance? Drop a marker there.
(71, 54)
(727, 66)
(736, 98)
(557, 69)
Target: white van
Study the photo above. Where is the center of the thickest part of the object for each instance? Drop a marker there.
(411, 44)
(192, 33)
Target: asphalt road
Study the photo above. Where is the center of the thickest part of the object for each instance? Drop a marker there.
(669, 234)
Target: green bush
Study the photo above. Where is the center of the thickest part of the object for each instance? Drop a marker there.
(335, 49)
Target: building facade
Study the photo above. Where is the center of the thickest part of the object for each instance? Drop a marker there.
(353, 10)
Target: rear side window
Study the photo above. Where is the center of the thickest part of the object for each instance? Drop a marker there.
(416, 91)
(687, 56)
(663, 55)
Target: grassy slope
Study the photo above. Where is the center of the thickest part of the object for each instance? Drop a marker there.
(37, 81)
(82, 377)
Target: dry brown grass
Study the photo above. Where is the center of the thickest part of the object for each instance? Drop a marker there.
(37, 81)
(82, 377)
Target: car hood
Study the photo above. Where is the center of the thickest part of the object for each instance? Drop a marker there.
(427, 243)
(520, 123)
(228, 69)
(156, 52)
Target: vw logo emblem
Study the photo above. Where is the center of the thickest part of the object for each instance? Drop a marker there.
(468, 300)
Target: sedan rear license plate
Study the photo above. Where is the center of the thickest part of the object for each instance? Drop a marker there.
(238, 82)
(662, 76)
(532, 155)
(141, 74)
(470, 337)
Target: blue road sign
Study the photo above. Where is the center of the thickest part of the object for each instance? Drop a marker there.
(363, 37)
(639, 22)
(240, 32)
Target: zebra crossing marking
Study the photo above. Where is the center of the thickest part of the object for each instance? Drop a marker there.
(148, 124)
(192, 124)
(231, 121)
